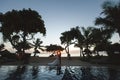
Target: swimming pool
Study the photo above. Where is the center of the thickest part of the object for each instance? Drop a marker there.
(58, 73)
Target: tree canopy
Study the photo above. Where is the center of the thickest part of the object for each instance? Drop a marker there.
(52, 48)
(110, 18)
(22, 23)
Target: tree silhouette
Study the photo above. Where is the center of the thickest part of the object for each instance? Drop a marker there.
(81, 37)
(37, 45)
(86, 39)
(101, 39)
(111, 16)
(113, 50)
(66, 38)
(52, 48)
(18, 44)
(78, 38)
(23, 23)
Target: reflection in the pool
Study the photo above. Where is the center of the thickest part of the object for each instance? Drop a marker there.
(58, 73)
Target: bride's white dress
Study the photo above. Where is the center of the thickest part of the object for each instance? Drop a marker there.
(55, 62)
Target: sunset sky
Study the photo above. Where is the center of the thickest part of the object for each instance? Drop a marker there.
(59, 15)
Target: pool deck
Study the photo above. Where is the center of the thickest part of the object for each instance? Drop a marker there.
(75, 61)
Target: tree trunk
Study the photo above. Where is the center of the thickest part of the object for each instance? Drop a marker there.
(24, 41)
(80, 52)
(34, 54)
(119, 34)
(68, 54)
(87, 52)
(35, 51)
(12, 43)
(97, 53)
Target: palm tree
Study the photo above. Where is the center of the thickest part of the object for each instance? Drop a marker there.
(37, 45)
(111, 16)
(87, 38)
(66, 39)
(25, 23)
(78, 38)
(101, 39)
(81, 38)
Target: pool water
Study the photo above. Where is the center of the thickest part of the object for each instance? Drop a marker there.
(58, 73)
